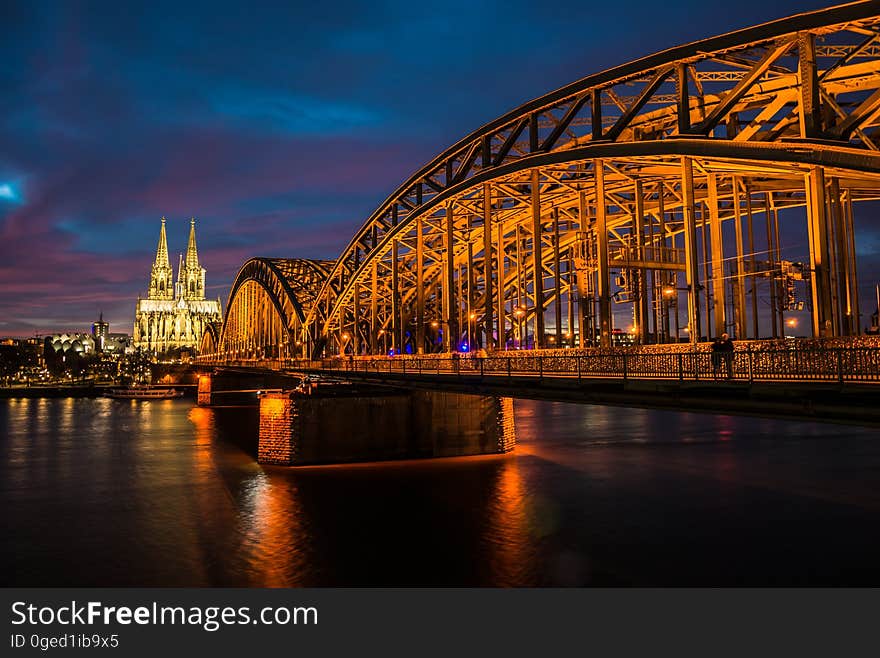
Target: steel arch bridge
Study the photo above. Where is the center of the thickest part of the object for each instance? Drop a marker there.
(268, 305)
(657, 184)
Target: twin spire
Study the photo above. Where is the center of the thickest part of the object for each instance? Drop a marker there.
(192, 254)
(190, 274)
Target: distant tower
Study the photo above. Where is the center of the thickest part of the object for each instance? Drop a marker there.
(195, 273)
(161, 277)
(100, 329)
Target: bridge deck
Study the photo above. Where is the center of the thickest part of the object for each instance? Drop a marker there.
(841, 365)
(830, 384)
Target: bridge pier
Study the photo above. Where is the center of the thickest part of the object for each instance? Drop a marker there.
(203, 398)
(298, 429)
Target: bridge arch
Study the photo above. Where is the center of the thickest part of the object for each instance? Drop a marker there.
(268, 303)
(659, 183)
(210, 342)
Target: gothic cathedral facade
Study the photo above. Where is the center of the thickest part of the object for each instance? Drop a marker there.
(175, 315)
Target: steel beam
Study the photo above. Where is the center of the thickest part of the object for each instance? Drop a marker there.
(817, 225)
(692, 275)
(739, 295)
(499, 273)
(488, 260)
(420, 286)
(642, 273)
(537, 259)
(603, 287)
(810, 110)
(450, 336)
(717, 252)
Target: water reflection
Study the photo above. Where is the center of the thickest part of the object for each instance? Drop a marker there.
(108, 492)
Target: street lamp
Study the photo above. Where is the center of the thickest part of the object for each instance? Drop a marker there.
(671, 296)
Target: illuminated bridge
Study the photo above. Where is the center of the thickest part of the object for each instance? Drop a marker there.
(705, 189)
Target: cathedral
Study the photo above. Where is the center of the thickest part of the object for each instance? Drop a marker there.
(175, 315)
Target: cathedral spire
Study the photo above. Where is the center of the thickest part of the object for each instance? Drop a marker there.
(192, 256)
(160, 278)
(162, 249)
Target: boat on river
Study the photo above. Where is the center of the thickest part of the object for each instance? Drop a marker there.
(143, 393)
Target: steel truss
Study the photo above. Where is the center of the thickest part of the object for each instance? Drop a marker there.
(646, 184)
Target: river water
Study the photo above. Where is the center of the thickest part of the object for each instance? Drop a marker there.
(161, 493)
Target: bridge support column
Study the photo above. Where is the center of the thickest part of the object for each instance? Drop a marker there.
(604, 284)
(450, 310)
(396, 321)
(499, 289)
(717, 252)
(537, 260)
(420, 286)
(488, 321)
(641, 302)
(692, 275)
(739, 287)
(820, 266)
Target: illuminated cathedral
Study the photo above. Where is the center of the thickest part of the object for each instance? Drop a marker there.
(175, 314)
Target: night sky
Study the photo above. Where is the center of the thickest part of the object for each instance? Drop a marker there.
(279, 129)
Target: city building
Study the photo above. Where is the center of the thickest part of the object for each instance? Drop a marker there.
(174, 315)
(100, 329)
(118, 343)
(77, 342)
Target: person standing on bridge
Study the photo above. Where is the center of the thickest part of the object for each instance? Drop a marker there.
(722, 352)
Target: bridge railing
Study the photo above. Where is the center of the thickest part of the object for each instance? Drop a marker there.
(849, 364)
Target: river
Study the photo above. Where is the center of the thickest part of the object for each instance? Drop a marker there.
(100, 492)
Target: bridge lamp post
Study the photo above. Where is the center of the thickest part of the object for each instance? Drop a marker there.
(384, 336)
(470, 339)
(345, 338)
(670, 293)
(671, 297)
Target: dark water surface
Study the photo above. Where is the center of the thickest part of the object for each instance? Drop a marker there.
(159, 493)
